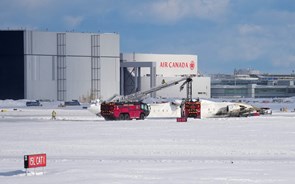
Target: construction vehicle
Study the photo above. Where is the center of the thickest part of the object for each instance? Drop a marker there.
(131, 106)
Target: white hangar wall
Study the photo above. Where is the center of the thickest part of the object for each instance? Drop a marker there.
(40, 59)
(167, 65)
(170, 67)
(66, 66)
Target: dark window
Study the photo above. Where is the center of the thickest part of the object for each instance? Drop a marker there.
(12, 64)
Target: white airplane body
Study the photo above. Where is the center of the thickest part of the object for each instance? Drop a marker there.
(95, 107)
(210, 109)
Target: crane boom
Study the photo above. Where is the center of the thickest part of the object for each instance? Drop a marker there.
(141, 94)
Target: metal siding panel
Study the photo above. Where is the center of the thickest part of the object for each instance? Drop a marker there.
(110, 78)
(43, 43)
(78, 44)
(109, 45)
(78, 78)
(39, 78)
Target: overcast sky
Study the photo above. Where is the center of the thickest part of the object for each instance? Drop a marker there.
(225, 34)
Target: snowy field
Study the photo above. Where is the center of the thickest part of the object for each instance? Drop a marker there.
(82, 148)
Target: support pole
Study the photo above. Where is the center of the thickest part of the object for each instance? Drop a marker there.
(189, 90)
(153, 80)
(139, 78)
(122, 81)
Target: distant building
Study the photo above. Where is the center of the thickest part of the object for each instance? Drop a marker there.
(252, 84)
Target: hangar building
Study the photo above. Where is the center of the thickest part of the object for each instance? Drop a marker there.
(58, 65)
(68, 65)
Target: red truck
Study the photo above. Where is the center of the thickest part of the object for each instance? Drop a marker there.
(191, 109)
(124, 110)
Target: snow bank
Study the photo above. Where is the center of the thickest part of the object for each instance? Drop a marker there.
(84, 150)
(12, 103)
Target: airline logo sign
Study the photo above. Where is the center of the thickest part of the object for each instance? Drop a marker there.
(191, 65)
(33, 161)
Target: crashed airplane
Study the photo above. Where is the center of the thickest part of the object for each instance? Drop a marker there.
(208, 109)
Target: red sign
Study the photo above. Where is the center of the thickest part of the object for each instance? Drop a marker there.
(33, 161)
(181, 119)
(190, 65)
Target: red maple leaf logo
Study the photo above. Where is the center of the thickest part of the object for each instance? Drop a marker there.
(192, 65)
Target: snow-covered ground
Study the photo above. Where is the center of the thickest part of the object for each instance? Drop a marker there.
(82, 148)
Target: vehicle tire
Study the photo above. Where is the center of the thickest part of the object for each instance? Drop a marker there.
(127, 117)
(121, 117)
(142, 116)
